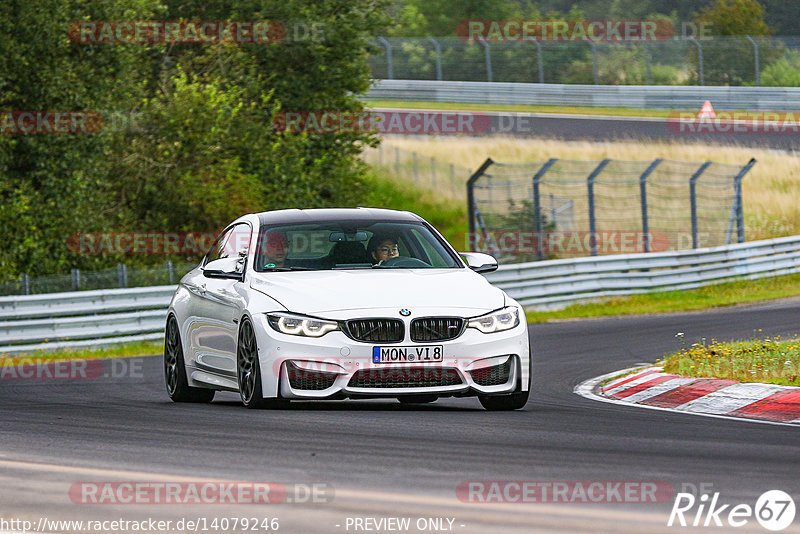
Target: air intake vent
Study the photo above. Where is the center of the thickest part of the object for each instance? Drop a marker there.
(406, 377)
(376, 330)
(309, 380)
(494, 375)
(436, 328)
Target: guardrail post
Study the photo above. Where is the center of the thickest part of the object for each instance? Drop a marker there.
(755, 51)
(438, 50)
(471, 208)
(26, 284)
(389, 66)
(488, 55)
(643, 195)
(537, 206)
(75, 274)
(693, 199)
(122, 275)
(590, 190)
(737, 212)
(699, 59)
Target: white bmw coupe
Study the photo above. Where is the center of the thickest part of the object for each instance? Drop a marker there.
(343, 303)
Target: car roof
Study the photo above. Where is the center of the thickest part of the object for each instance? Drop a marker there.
(335, 214)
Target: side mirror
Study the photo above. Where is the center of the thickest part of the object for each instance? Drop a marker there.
(232, 267)
(479, 262)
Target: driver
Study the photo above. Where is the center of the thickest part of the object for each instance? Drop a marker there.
(382, 248)
(276, 249)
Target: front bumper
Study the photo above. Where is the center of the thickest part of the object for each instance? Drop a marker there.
(336, 366)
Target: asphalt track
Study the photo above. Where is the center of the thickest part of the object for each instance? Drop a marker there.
(618, 128)
(387, 460)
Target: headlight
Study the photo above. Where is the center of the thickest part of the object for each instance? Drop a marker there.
(299, 325)
(496, 321)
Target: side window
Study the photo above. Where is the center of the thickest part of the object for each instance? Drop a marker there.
(231, 243)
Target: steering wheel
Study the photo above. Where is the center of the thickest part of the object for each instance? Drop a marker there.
(404, 261)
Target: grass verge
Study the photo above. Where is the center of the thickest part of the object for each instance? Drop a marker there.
(522, 108)
(122, 350)
(770, 361)
(718, 295)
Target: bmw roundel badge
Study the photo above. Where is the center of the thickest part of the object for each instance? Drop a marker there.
(405, 313)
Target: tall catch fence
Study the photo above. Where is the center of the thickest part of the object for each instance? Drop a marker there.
(561, 208)
(443, 177)
(727, 60)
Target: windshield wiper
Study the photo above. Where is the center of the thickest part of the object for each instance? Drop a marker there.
(284, 269)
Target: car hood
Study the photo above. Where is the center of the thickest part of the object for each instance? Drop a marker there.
(317, 292)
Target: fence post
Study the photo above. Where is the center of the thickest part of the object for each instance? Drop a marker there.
(595, 69)
(433, 171)
(471, 211)
(397, 161)
(170, 271)
(76, 279)
(26, 284)
(122, 275)
(737, 213)
(592, 219)
(389, 67)
(380, 155)
(416, 167)
(488, 55)
(539, 57)
(699, 59)
(755, 49)
(537, 206)
(643, 195)
(647, 67)
(452, 176)
(693, 199)
(438, 50)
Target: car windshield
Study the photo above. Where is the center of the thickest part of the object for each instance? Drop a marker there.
(351, 245)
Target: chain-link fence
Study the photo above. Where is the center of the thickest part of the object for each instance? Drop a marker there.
(773, 61)
(77, 280)
(560, 208)
(446, 179)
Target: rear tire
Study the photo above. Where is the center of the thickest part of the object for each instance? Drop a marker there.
(417, 399)
(248, 371)
(177, 384)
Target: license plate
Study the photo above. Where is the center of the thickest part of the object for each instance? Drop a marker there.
(427, 353)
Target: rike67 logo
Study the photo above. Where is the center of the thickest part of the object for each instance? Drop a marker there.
(774, 510)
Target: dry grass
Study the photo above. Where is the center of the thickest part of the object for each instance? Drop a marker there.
(770, 189)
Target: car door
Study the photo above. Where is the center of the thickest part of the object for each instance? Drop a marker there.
(218, 305)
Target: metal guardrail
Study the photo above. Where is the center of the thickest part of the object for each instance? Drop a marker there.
(87, 318)
(82, 318)
(557, 283)
(628, 96)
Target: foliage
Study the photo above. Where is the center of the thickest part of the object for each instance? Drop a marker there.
(783, 73)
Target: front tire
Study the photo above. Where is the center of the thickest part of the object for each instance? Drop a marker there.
(248, 371)
(177, 384)
(512, 401)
